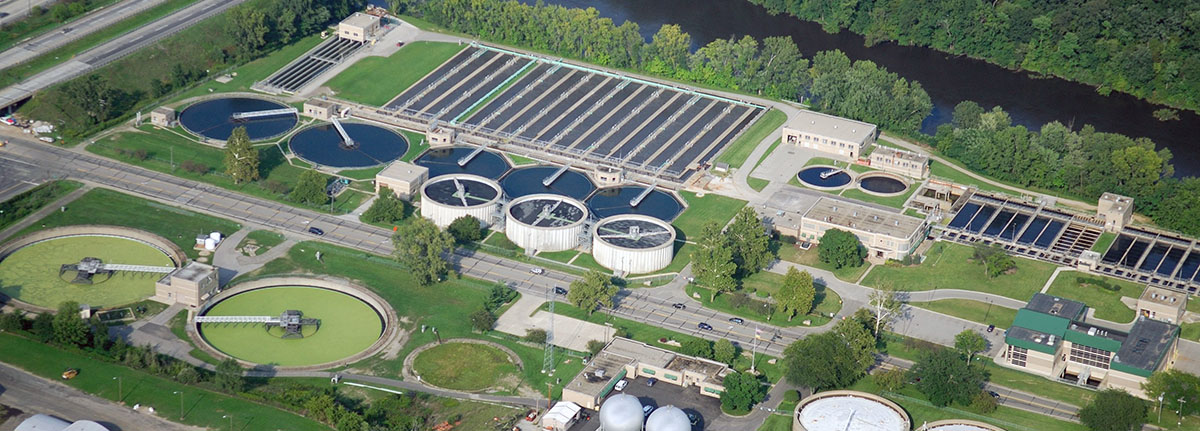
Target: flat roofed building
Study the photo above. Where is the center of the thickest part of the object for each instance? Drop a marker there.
(403, 178)
(829, 134)
(625, 358)
(1115, 210)
(358, 27)
(1162, 304)
(190, 285)
(320, 109)
(1050, 338)
(887, 235)
(901, 162)
(163, 116)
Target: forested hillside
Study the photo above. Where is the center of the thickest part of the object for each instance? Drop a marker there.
(1148, 48)
(770, 68)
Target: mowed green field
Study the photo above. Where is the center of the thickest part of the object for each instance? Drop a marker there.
(376, 80)
(31, 273)
(348, 326)
(463, 366)
(949, 266)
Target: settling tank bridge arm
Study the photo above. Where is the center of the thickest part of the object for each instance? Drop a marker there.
(265, 113)
(342, 131)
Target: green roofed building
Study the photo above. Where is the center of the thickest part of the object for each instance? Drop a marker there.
(1050, 337)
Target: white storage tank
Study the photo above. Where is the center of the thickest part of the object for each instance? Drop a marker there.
(448, 197)
(621, 412)
(669, 418)
(633, 244)
(545, 222)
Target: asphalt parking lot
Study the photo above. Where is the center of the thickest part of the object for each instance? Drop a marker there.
(664, 394)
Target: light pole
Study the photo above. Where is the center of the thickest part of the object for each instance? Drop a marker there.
(120, 383)
(180, 404)
(230, 421)
(1160, 400)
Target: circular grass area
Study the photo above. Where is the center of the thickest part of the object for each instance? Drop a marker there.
(31, 273)
(464, 366)
(348, 326)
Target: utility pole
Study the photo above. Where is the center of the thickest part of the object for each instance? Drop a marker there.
(120, 383)
(1160, 400)
(180, 404)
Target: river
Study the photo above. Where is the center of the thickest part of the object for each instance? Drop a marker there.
(1030, 100)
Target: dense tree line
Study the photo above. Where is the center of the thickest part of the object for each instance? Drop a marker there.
(1143, 47)
(92, 102)
(772, 67)
(1083, 163)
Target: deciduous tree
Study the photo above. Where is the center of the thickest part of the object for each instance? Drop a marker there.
(824, 361)
(310, 189)
(229, 376)
(797, 293)
(968, 343)
(1114, 410)
(742, 391)
(698, 347)
(724, 351)
(1175, 385)
(465, 229)
(748, 239)
(69, 328)
(594, 290)
(712, 263)
(420, 246)
(885, 306)
(945, 378)
(840, 248)
(483, 320)
(387, 208)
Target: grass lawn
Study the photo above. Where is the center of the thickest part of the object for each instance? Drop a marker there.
(519, 160)
(777, 422)
(464, 366)
(913, 213)
(265, 239)
(416, 145)
(825, 161)
(767, 283)
(1101, 293)
(498, 239)
(891, 201)
(975, 311)
(652, 334)
(50, 59)
(735, 154)
(376, 80)
(757, 184)
(794, 254)
(704, 209)
(948, 266)
(564, 256)
(921, 411)
(770, 150)
(103, 206)
(162, 147)
(32, 200)
(361, 174)
(941, 170)
(31, 274)
(443, 305)
(1103, 242)
(201, 407)
(256, 70)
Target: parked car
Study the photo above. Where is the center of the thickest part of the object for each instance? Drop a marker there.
(704, 326)
(316, 231)
(994, 394)
(737, 320)
(647, 409)
(693, 418)
(536, 270)
(70, 374)
(621, 385)
(991, 328)
(559, 291)
(679, 306)
(531, 415)
(651, 381)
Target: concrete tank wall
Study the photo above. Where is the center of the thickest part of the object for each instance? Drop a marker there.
(442, 214)
(632, 260)
(544, 238)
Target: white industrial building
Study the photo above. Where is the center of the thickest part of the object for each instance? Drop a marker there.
(633, 244)
(448, 197)
(545, 222)
(561, 416)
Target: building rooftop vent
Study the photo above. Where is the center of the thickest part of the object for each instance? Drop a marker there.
(1092, 331)
(1050, 342)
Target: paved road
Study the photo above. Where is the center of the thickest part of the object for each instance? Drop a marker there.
(115, 49)
(13, 10)
(34, 394)
(69, 32)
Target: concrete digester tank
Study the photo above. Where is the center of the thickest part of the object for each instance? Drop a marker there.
(621, 412)
(669, 418)
(633, 244)
(448, 197)
(545, 222)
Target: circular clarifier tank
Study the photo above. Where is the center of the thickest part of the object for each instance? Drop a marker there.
(215, 119)
(543, 179)
(882, 183)
(823, 177)
(612, 201)
(368, 146)
(448, 197)
(633, 244)
(34, 273)
(545, 222)
(442, 161)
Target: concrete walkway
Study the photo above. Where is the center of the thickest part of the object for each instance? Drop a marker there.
(232, 262)
(568, 332)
